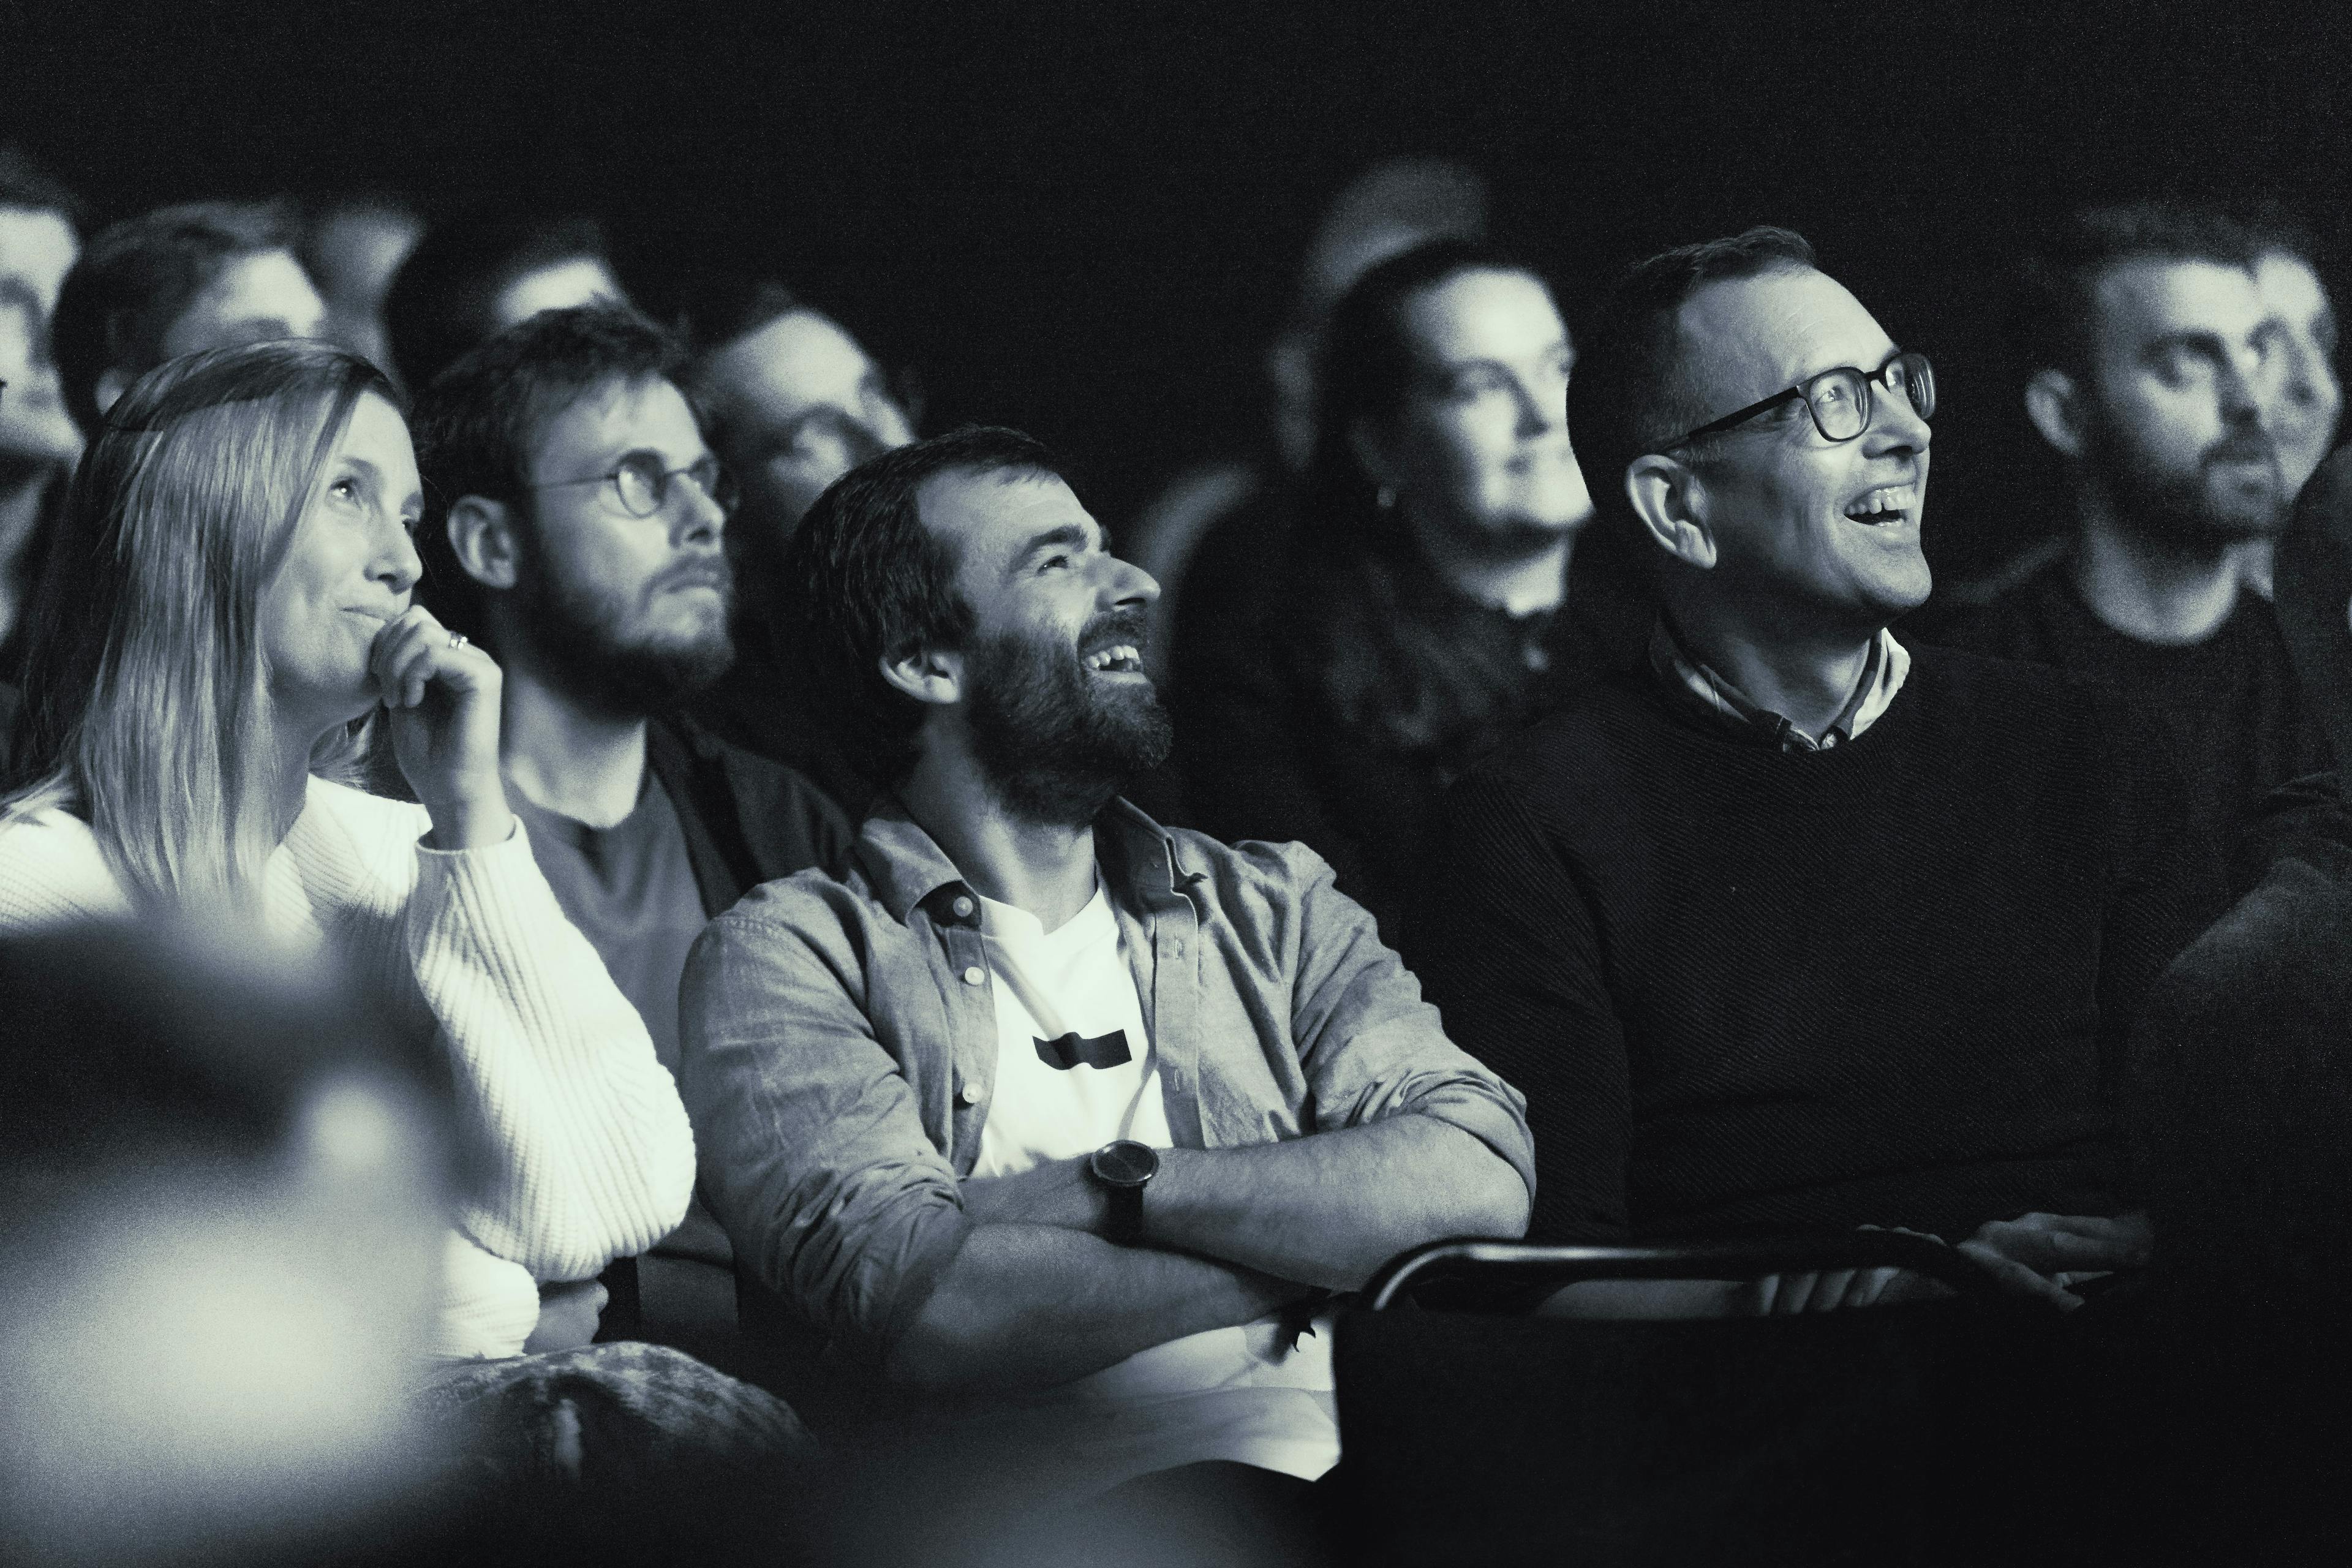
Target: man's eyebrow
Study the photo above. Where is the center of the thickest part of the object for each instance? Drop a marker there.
(1070, 535)
(2205, 342)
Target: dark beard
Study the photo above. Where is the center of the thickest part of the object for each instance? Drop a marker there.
(570, 628)
(1055, 747)
(2182, 510)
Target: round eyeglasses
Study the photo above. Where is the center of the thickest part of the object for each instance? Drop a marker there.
(1839, 400)
(643, 484)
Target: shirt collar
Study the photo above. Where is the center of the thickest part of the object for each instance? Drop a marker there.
(1707, 692)
(906, 868)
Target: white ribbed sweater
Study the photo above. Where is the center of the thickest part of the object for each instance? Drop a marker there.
(594, 1157)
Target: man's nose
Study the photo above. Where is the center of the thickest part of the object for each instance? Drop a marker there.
(1895, 425)
(701, 519)
(1539, 415)
(1127, 585)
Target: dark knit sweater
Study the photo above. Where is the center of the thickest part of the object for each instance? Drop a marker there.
(1742, 990)
(2235, 724)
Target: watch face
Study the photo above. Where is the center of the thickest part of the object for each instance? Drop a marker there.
(1126, 1164)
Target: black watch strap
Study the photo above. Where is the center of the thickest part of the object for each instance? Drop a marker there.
(1125, 1216)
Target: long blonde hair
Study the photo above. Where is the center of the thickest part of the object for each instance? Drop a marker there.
(147, 706)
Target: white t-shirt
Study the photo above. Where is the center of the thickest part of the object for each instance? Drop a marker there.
(1075, 1070)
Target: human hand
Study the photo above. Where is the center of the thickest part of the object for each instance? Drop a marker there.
(441, 702)
(2040, 1255)
(568, 1313)
(1829, 1290)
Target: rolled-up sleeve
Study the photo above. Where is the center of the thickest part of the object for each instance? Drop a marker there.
(813, 1152)
(1370, 1046)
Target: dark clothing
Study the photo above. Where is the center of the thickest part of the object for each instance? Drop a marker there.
(12, 711)
(1744, 990)
(1331, 702)
(2235, 722)
(713, 823)
(756, 707)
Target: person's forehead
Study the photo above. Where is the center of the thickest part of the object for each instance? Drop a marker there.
(800, 359)
(2289, 287)
(615, 418)
(38, 247)
(378, 432)
(1745, 339)
(582, 281)
(265, 283)
(991, 516)
(2157, 296)
(1484, 314)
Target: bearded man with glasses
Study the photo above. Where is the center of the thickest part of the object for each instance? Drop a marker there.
(573, 525)
(1793, 929)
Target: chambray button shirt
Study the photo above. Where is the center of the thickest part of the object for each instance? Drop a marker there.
(839, 1056)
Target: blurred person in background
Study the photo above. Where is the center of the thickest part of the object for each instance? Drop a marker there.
(39, 445)
(223, 1184)
(352, 247)
(2187, 413)
(469, 281)
(40, 225)
(2311, 391)
(793, 402)
(207, 275)
(1389, 208)
(574, 525)
(1333, 676)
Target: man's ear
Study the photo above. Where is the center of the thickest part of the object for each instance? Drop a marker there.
(2054, 402)
(1671, 500)
(926, 675)
(111, 384)
(482, 538)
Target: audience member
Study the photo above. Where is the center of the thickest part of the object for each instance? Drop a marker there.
(574, 528)
(793, 402)
(230, 600)
(465, 283)
(352, 247)
(2311, 393)
(40, 225)
(1058, 1120)
(208, 275)
(39, 445)
(1390, 208)
(1334, 675)
(2239, 1093)
(222, 1184)
(1793, 929)
(2168, 387)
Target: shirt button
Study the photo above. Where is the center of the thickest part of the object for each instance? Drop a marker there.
(970, 1094)
(974, 976)
(963, 909)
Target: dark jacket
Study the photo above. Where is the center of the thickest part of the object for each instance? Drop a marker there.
(747, 820)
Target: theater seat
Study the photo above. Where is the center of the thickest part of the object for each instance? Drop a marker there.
(1497, 1436)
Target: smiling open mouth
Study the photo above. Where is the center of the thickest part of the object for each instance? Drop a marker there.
(1888, 503)
(1119, 659)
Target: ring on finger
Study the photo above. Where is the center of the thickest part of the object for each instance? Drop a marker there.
(458, 640)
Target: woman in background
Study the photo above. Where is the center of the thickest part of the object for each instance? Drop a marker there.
(1338, 664)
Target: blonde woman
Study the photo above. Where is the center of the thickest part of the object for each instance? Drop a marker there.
(228, 605)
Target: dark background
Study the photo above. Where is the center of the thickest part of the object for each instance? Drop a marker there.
(1083, 220)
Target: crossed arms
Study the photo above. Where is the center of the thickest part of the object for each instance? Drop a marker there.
(817, 1158)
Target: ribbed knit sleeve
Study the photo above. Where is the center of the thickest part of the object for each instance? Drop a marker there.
(593, 1158)
(487, 1306)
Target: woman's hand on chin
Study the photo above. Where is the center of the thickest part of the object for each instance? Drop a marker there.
(441, 700)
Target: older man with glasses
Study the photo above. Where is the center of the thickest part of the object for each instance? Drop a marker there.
(574, 526)
(1794, 929)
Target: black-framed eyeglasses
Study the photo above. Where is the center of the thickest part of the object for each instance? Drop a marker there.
(1839, 400)
(643, 484)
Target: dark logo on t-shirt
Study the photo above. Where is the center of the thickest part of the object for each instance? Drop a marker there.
(1067, 1051)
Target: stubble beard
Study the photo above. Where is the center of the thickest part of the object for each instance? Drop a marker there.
(573, 629)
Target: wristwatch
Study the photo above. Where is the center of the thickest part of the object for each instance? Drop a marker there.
(1125, 1168)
